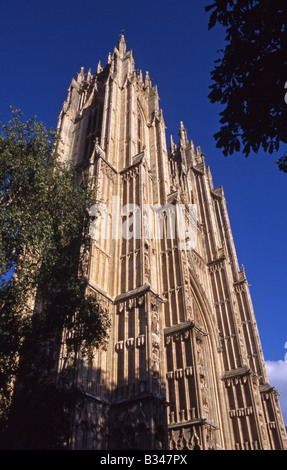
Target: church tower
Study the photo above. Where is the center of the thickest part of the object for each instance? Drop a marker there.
(183, 368)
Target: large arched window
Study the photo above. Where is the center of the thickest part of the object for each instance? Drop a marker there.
(94, 128)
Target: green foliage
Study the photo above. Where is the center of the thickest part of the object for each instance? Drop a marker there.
(249, 78)
(44, 226)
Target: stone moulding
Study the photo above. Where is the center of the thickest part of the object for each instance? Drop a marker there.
(238, 373)
(139, 291)
(182, 327)
(192, 422)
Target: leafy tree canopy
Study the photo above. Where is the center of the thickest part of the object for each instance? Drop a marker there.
(43, 222)
(250, 77)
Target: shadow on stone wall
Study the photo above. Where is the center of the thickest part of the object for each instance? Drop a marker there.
(49, 413)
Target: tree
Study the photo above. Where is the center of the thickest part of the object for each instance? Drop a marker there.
(44, 230)
(250, 77)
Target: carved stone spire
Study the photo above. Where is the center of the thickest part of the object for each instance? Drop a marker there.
(122, 45)
(147, 80)
(81, 75)
(183, 136)
(99, 67)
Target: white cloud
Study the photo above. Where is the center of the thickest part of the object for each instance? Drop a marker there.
(277, 376)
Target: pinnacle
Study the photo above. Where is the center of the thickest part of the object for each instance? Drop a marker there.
(122, 43)
(182, 131)
(81, 75)
(147, 80)
(123, 36)
(99, 67)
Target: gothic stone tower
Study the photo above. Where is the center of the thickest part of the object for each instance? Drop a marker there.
(184, 367)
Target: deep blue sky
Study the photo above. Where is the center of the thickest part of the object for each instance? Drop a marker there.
(44, 44)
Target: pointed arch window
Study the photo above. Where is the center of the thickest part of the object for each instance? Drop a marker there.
(94, 128)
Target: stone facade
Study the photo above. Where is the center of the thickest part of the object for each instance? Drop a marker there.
(183, 368)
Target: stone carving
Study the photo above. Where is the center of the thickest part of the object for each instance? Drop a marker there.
(146, 262)
(120, 307)
(130, 343)
(216, 266)
(140, 341)
(184, 439)
(140, 301)
(119, 347)
(131, 303)
(91, 419)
